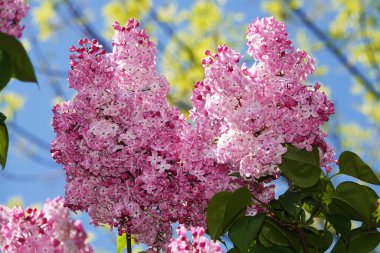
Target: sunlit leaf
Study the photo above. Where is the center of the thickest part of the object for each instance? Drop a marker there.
(351, 164)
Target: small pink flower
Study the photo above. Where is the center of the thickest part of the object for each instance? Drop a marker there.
(11, 14)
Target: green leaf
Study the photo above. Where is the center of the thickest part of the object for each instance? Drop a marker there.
(224, 208)
(262, 240)
(361, 241)
(22, 67)
(234, 174)
(351, 164)
(318, 240)
(244, 231)
(4, 139)
(278, 235)
(354, 201)
(291, 202)
(301, 167)
(341, 224)
(258, 248)
(5, 69)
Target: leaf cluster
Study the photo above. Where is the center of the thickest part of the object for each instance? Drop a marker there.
(309, 217)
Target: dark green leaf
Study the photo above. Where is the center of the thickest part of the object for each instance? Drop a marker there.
(5, 69)
(341, 224)
(361, 241)
(301, 167)
(22, 67)
(291, 201)
(234, 174)
(224, 208)
(244, 231)
(278, 235)
(318, 240)
(339, 247)
(351, 164)
(355, 201)
(258, 248)
(4, 139)
(233, 250)
(339, 207)
(264, 241)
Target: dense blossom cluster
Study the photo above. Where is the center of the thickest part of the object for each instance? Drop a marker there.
(11, 13)
(250, 113)
(199, 242)
(36, 231)
(123, 147)
(133, 162)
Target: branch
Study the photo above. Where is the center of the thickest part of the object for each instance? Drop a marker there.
(334, 50)
(129, 243)
(30, 136)
(303, 240)
(86, 28)
(41, 55)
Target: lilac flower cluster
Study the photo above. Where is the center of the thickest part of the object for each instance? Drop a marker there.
(248, 114)
(199, 242)
(11, 13)
(35, 231)
(123, 147)
(133, 162)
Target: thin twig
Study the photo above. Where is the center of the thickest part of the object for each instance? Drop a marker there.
(129, 243)
(334, 50)
(85, 26)
(303, 240)
(30, 136)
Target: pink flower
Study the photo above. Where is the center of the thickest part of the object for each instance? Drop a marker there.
(11, 13)
(199, 242)
(253, 112)
(133, 162)
(48, 230)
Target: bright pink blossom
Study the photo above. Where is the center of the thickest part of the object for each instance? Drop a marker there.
(35, 231)
(133, 162)
(246, 115)
(199, 242)
(11, 14)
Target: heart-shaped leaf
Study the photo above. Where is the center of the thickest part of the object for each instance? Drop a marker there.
(351, 164)
(301, 167)
(224, 208)
(245, 230)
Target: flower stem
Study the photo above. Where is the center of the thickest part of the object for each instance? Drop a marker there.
(129, 243)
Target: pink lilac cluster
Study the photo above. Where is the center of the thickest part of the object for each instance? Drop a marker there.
(123, 147)
(198, 244)
(248, 114)
(35, 231)
(133, 162)
(11, 14)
